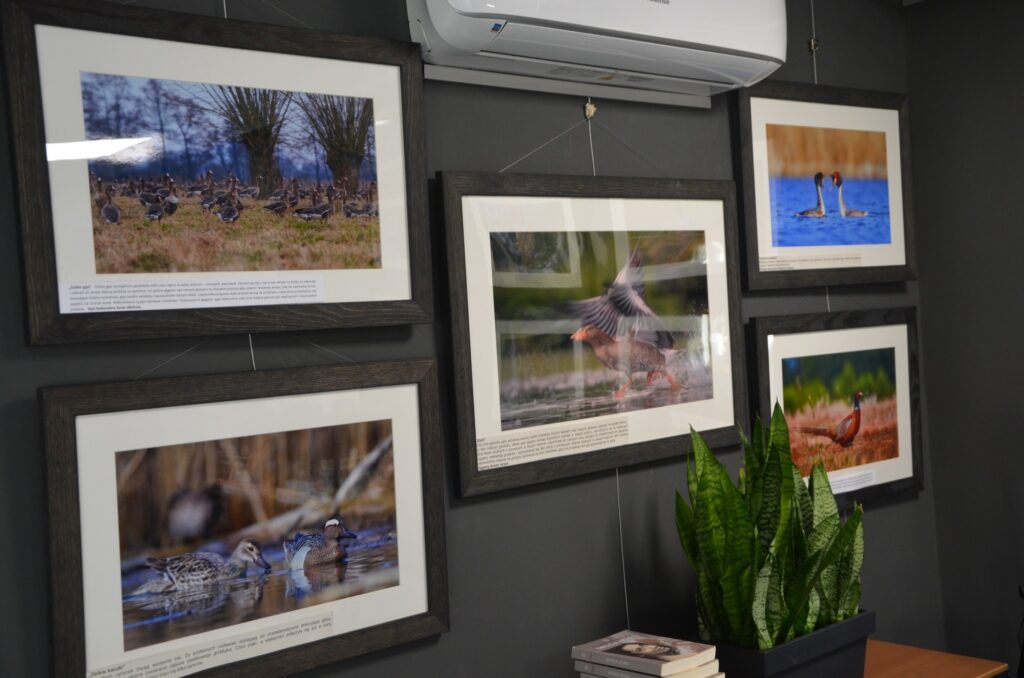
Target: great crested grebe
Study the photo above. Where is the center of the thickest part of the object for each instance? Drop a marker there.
(818, 211)
(837, 181)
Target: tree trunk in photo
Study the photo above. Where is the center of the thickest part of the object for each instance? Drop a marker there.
(256, 117)
(343, 127)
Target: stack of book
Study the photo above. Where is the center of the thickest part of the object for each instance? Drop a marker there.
(628, 654)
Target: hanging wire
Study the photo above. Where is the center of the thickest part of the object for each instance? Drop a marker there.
(252, 353)
(814, 46)
(290, 16)
(170, 360)
(589, 111)
(622, 549)
(546, 143)
(828, 301)
(339, 356)
(629, 147)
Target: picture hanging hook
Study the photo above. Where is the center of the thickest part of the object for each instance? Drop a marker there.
(589, 109)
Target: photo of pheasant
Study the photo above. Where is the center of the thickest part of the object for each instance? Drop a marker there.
(841, 408)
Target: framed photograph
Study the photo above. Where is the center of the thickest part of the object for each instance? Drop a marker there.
(183, 175)
(826, 186)
(595, 320)
(261, 523)
(848, 384)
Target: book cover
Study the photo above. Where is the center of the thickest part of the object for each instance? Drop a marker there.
(703, 671)
(643, 653)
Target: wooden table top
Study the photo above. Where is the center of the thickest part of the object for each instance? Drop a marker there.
(891, 660)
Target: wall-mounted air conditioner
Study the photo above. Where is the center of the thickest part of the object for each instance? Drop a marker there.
(690, 48)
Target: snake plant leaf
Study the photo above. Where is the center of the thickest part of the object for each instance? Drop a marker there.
(813, 613)
(770, 507)
(802, 496)
(687, 529)
(759, 609)
(753, 468)
(768, 603)
(710, 530)
(778, 433)
(820, 539)
(709, 606)
(810, 569)
(702, 457)
(849, 567)
(822, 499)
(737, 584)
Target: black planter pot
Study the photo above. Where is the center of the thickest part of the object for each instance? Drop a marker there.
(836, 651)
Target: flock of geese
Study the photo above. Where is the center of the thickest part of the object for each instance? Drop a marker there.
(819, 210)
(223, 200)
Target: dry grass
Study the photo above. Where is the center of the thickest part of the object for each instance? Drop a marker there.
(876, 441)
(796, 151)
(192, 241)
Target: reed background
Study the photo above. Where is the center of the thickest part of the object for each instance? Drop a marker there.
(259, 477)
(798, 151)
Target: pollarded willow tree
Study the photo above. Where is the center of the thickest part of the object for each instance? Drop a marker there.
(257, 118)
(344, 128)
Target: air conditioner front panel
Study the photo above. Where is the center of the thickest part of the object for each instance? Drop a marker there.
(604, 51)
(740, 26)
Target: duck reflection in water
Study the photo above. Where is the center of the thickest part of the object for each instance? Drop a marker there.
(314, 579)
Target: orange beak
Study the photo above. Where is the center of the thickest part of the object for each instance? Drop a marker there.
(578, 335)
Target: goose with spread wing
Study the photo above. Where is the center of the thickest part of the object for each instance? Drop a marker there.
(625, 334)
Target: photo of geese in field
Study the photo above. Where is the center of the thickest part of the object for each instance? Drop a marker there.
(841, 408)
(827, 186)
(221, 532)
(622, 325)
(203, 177)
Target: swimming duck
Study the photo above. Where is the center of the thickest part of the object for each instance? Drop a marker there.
(306, 550)
(192, 514)
(200, 568)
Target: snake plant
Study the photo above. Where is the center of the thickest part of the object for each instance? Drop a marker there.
(773, 559)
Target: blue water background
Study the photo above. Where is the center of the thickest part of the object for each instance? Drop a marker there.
(791, 195)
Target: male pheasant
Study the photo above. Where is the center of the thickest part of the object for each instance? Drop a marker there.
(845, 431)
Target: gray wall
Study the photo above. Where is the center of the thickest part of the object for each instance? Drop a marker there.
(967, 107)
(535, 570)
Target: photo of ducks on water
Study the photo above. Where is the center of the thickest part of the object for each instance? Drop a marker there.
(628, 329)
(205, 177)
(827, 187)
(221, 532)
(841, 408)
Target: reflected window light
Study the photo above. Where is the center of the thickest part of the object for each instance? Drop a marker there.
(89, 150)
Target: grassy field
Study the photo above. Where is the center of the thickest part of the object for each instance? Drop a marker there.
(192, 241)
(877, 440)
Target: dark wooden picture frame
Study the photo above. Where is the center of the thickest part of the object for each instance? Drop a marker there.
(799, 324)
(758, 279)
(63, 405)
(46, 323)
(456, 185)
